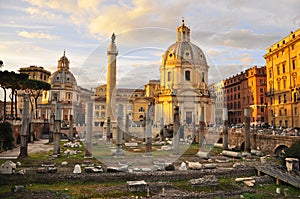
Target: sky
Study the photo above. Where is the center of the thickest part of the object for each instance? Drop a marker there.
(233, 34)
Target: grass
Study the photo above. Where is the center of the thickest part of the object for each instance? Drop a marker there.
(80, 189)
(225, 184)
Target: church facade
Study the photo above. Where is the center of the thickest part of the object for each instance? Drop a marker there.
(183, 82)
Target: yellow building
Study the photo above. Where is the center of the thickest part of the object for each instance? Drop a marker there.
(283, 81)
(135, 103)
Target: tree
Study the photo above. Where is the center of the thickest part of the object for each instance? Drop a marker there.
(15, 82)
(35, 88)
(4, 84)
(6, 135)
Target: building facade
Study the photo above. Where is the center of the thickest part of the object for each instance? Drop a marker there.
(183, 83)
(64, 89)
(283, 81)
(217, 89)
(247, 90)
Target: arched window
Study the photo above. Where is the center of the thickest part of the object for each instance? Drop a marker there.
(141, 109)
(188, 75)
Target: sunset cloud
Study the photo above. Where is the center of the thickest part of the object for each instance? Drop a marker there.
(36, 35)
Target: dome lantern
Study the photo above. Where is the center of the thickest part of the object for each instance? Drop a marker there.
(63, 62)
(183, 32)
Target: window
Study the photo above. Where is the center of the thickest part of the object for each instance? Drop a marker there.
(278, 70)
(294, 64)
(262, 109)
(141, 109)
(270, 73)
(261, 82)
(203, 77)
(280, 113)
(283, 68)
(279, 99)
(278, 85)
(296, 111)
(261, 90)
(285, 112)
(271, 101)
(96, 107)
(261, 100)
(293, 47)
(187, 75)
(295, 97)
(169, 76)
(284, 83)
(284, 98)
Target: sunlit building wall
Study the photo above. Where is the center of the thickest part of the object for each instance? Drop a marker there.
(283, 80)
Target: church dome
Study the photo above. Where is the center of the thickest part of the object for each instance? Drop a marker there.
(183, 49)
(62, 76)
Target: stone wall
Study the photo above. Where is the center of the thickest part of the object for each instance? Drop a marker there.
(265, 142)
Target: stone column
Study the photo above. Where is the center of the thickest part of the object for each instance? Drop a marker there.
(194, 129)
(247, 129)
(201, 128)
(126, 135)
(108, 130)
(70, 135)
(120, 130)
(57, 135)
(57, 129)
(149, 130)
(88, 136)
(112, 53)
(225, 129)
(176, 131)
(161, 128)
(51, 128)
(24, 145)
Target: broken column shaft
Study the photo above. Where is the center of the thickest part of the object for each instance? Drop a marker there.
(24, 145)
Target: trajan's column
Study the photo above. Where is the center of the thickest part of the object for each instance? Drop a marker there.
(112, 53)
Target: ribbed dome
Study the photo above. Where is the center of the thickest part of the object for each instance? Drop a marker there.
(62, 77)
(184, 50)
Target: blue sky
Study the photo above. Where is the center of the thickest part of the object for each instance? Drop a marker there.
(233, 34)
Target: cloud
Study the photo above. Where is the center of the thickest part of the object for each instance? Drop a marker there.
(36, 12)
(246, 59)
(37, 35)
